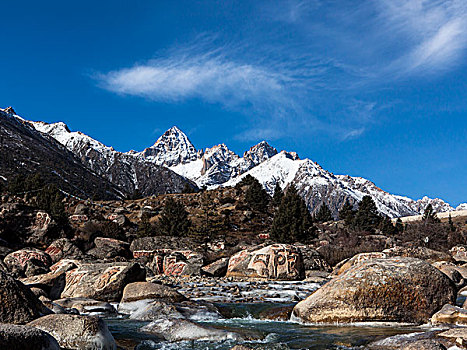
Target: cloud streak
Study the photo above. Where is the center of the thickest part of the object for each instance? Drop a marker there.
(282, 84)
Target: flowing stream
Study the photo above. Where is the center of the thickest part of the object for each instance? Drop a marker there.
(260, 334)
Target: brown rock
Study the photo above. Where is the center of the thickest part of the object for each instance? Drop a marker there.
(216, 269)
(107, 248)
(358, 259)
(450, 314)
(52, 283)
(17, 260)
(393, 289)
(102, 281)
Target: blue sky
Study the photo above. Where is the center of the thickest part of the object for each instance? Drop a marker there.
(371, 88)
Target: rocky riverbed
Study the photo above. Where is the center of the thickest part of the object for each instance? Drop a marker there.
(273, 296)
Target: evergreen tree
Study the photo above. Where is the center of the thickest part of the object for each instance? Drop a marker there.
(17, 184)
(50, 199)
(256, 196)
(347, 213)
(210, 224)
(324, 214)
(386, 226)
(367, 217)
(399, 226)
(174, 219)
(246, 181)
(429, 215)
(452, 228)
(292, 222)
(278, 195)
(145, 229)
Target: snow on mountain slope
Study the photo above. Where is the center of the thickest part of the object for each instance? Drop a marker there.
(128, 171)
(280, 168)
(438, 205)
(219, 166)
(171, 149)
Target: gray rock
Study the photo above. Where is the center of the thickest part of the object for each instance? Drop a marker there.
(14, 337)
(216, 269)
(17, 260)
(87, 306)
(17, 303)
(107, 248)
(176, 329)
(77, 332)
(147, 290)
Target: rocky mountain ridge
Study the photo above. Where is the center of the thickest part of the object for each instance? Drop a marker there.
(175, 157)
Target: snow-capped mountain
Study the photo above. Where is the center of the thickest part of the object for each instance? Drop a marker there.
(24, 150)
(129, 171)
(173, 153)
(171, 149)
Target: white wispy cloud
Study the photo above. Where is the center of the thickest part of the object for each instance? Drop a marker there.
(433, 33)
(282, 83)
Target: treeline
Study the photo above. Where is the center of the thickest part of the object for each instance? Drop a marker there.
(45, 196)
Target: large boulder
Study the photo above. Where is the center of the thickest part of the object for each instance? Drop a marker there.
(63, 248)
(147, 290)
(102, 281)
(15, 337)
(17, 260)
(216, 269)
(107, 248)
(17, 303)
(277, 261)
(77, 332)
(393, 289)
(457, 274)
(457, 335)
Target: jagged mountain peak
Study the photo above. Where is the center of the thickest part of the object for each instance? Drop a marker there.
(260, 152)
(9, 110)
(172, 148)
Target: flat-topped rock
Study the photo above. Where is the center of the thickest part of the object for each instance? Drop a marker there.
(147, 290)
